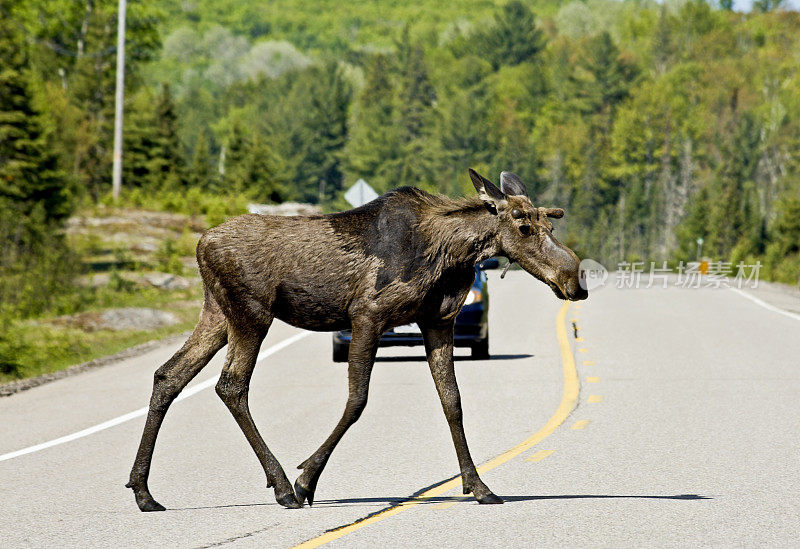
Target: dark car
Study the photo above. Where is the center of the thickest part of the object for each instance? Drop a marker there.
(472, 324)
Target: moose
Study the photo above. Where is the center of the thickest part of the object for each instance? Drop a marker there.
(407, 256)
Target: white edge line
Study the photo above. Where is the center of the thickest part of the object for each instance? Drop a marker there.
(143, 411)
(766, 305)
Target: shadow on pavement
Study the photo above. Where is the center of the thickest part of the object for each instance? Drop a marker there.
(392, 501)
(507, 499)
(455, 358)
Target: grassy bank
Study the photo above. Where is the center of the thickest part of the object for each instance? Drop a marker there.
(126, 262)
(41, 349)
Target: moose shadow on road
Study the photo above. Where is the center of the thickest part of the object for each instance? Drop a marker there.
(422, 358)
(394, 501)
(508, 499)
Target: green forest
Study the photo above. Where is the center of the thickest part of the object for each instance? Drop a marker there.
(652, 124)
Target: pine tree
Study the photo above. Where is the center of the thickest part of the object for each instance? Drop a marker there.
(764, 6)
(235, 152)
(513, 39)
(786, 229)
(463, 139)
(728, 222)
(694, 226)
(35, 263)
(153, 156)
(663, 47)
(319, 102)
(252, 167)
(420, 157)
(29, 174)
(201, 172)
(416, 94)
(166, 165)
(139, 140)
(260, 172)
(510, 144)
(91, 84)
(375, 140)
(75, 50)
(602, 79)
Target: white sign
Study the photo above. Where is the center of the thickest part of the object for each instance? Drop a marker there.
(360, 193)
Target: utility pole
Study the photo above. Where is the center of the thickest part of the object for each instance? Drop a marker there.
(120, 97)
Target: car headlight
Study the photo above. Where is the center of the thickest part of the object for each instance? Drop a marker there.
(474, 296)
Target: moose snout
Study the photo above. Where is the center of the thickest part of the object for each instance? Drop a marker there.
(572, 279)
(575, 286)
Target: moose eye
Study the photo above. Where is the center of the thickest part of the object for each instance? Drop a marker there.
(525, 229)
(516, 214)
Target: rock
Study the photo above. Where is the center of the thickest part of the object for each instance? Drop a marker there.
(144, 247)
(127, 318)
(96, 280)
(136, 318)
(190, 263)
(162, 281)
(167, 281)
(286, 208)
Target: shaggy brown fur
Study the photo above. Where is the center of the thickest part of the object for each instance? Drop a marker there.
(405, 257)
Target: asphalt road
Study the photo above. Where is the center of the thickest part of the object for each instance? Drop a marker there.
(679, 426)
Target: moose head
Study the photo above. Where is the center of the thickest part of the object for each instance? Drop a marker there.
(526, 235)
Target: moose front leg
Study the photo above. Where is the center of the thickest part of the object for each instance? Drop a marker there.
(439, 349)
(363, 346)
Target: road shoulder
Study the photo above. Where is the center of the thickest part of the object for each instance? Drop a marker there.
(776, 294)
(14, 387)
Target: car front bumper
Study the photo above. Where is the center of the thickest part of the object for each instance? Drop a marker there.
(470, 328)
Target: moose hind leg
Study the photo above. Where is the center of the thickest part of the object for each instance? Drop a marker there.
(363, 347)
(233, 388)
(169, 380)
(439, 348)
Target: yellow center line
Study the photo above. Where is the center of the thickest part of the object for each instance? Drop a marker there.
(539, 456)
(595, 398)
(448, 504)
(583, 350)
(588, 362)
(569, 400)
(580, 424)
(578, 339)
(592, 379)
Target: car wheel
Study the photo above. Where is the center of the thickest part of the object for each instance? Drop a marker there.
(480, 351)
(340, 351)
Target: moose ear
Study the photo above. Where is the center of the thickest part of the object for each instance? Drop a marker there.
(512, 185)
(556, 213)
(488, 191)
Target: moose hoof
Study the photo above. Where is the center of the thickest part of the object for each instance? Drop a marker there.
(288, 500)
(481, 492)
(489, 499)
(147, 504)
(144, 500)
(150, 505)
(304, 494)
